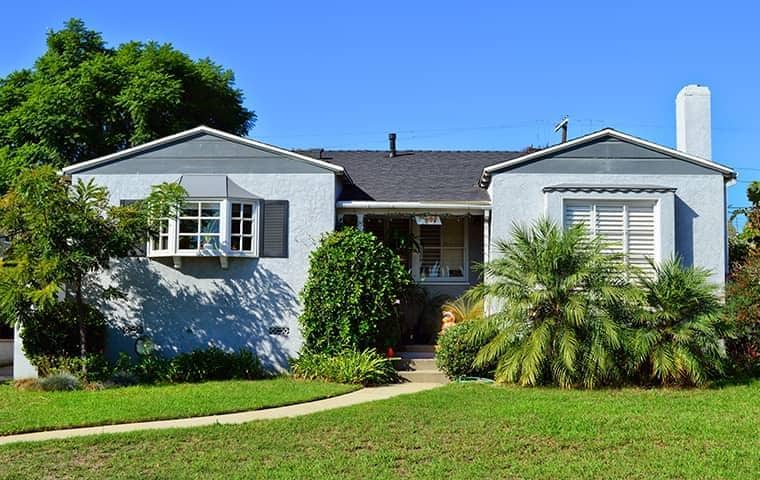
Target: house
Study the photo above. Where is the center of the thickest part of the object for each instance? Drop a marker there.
(228, 271)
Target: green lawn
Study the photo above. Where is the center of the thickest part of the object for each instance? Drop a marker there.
(458, 431)
(34, 411)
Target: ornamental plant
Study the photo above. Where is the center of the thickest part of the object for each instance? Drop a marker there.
(351, 293)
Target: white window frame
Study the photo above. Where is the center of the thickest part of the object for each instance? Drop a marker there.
(417, 260)
(199, 219)
(595, 202)
(225, 232)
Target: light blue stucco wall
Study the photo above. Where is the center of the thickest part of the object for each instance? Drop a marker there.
(200, 304)
(699, 209)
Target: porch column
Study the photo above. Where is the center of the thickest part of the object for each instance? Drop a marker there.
(486, 235)
(360, 222)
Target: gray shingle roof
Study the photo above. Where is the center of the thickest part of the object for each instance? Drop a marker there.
(415, 176)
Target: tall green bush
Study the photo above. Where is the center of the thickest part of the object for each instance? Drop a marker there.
(455, 354)
(350, 297)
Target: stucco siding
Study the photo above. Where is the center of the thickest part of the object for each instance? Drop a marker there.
(200, 304)
(699, 209)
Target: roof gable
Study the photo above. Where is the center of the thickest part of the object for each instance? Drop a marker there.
(608, 151)
(203, 150)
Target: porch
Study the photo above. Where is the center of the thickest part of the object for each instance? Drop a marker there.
(439, 244)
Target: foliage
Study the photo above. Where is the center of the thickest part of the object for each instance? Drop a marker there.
(455, 354)
(361, 368)
(553, 291)
(421, 314)
(216, 364)
(743, 311)
(465, 308)
(60, 382)
(92, 368)
(60, 236)
(349, 300)
(196, 366)
(51, 335)
(677, 335)
(81, 100)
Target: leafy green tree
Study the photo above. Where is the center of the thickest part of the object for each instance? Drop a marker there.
(351, 293)
(678, 334)
(82, 99)
(59, 236)
(554, 296)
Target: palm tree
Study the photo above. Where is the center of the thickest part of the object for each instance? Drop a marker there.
(551, 293)
(679, 332)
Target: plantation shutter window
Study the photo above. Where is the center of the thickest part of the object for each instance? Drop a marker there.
(443, 249)
(628, 227)
(274, 238)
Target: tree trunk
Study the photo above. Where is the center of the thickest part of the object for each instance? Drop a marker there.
(81, 324)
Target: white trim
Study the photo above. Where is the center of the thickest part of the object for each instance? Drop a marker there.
(726, 171)
(423, 206)
(194, 131)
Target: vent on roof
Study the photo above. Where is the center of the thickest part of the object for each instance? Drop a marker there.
(392, 145)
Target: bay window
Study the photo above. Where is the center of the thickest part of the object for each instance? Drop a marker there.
(242, 227)
(199, 226)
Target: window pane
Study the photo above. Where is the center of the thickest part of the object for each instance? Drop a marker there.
(452, 232)
(210, 226)
(235, 226)
(248, 210)
(210, 209)
(208, 241)
(164, 243)
(188, 243)
(247, 243)
(189, 209)
(188, 226)
(430, 257)
(235, 243)
(235, 210)
(247, 226)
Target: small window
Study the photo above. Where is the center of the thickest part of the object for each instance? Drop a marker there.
(243, 227)
(198, 226)
(160, 241)
(443, 254)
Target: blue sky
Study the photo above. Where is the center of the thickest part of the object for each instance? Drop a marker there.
(449, 75)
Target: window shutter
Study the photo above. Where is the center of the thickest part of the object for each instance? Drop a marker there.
(578, 214)
(641, 235)
(141, 248)
(610, 225)
(274, 236)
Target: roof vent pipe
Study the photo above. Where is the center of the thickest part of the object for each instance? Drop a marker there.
(563, 126)
(392, 145)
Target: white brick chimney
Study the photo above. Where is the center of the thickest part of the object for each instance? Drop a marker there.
(693, 126)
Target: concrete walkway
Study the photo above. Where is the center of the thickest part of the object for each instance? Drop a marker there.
(354, 398)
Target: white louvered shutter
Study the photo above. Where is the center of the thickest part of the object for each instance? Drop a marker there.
(609, 223)
(576, 213)
(641, 235)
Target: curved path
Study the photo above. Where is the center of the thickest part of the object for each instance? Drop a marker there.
(353, 398)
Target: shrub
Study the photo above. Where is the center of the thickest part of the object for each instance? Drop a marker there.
(92, 368)
(349, 300)
(455, 354)
(360, 368)
(27, 384)
(215, 364)
(743, 312)
(554, 291)
(54, 332)
(678, 334)
(60, 382)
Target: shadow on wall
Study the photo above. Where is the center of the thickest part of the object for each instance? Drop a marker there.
(685, 218)
(201, 306)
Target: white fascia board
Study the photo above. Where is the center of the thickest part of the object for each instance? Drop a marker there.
(726, 171)
(194, 131)
(368, 205)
